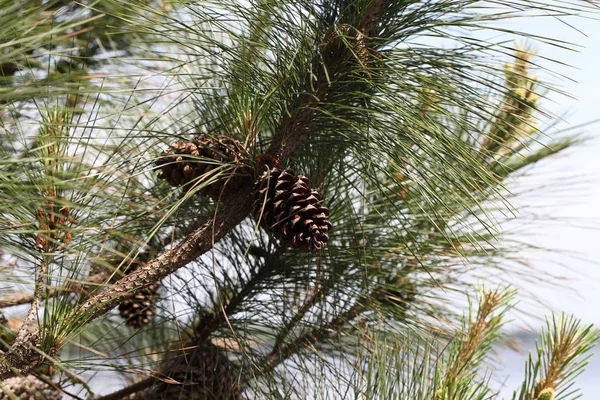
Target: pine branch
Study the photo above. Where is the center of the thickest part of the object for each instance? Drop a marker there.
(315, 335)
(480, 331)
(73, 287)
(561, 356)
(208, 323)
(308, 304)
(130, 391)
(27, 338)
(469, 348)
(299, 121)
(232, 212)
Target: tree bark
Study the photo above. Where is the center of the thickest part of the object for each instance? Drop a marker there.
(77, 287)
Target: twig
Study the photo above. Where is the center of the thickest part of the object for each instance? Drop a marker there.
(48, 381)
(296, 127)
(28, 336)
(18, 299)
(295, 320)
(309, 338)
(207, 324)
(129, 390)
(203, 328)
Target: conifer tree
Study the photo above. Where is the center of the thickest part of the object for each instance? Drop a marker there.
(268, 199)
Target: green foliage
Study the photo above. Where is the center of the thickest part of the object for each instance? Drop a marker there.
(560, 358)
(439, 369)
(407, 126)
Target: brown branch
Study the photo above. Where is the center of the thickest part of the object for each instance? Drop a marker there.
(230, 213)
(18, 299)
(127, 392)
(477, 332)
(202, 330)
(28, 338)
(371, 18)
(316, 335)
(308, 304)
(233, 211)
(206, 325)
(302, 113)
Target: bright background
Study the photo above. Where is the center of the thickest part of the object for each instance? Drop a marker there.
(575, 234)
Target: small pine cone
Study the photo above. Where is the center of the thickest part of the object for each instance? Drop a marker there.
(28, 388)
(139, 310)
(288, 207)
(206, 373)
(188, 161)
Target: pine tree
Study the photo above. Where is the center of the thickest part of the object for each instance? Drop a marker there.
(267, 199)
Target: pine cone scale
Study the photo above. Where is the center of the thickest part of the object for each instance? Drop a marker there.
(201, 161)
(287, 206)
(139, 310)
(204, 374)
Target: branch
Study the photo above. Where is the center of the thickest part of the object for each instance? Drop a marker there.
(203, 328)
(301, 116)
(233, 211)
(28, 338)
(127, 392)
(230, 213)
(207, 324)
(74, 286)
(18, 299)
(287, 328)
(316, 335)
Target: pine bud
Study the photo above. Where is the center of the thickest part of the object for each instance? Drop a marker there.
(546, 394)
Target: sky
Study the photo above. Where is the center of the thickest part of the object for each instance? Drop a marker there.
(573, 177)
(573, 205)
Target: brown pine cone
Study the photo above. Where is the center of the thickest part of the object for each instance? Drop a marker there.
(139, 310)
(204, 373)
(190, 163)
(28, 388)
(286, 205)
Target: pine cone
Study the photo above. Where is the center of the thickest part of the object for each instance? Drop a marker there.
(288, 207)
(28, 388)
(188, 161)
(139, 310)
(205, 373)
